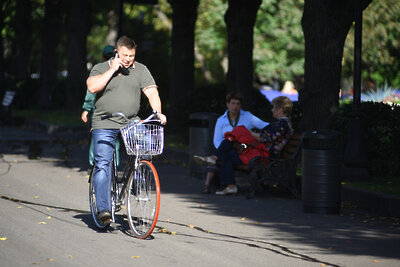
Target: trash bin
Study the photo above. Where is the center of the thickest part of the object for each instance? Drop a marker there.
(201, 133)
(321, 167)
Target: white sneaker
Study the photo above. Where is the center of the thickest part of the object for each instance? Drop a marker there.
(204, 160)
(227, 191)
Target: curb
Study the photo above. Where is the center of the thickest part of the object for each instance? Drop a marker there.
(374, 202)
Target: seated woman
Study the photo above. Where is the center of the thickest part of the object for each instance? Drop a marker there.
(274, 136)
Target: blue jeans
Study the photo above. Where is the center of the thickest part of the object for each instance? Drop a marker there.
(103, 142)
(228, 157)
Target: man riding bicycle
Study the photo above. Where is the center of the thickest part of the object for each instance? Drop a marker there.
(118, 83)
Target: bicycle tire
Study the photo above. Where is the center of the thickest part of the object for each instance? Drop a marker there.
(93, 205)
(143, 199)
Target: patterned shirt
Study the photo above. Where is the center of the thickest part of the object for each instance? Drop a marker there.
(276, 134)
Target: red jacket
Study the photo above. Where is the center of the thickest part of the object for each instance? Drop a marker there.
(254, 148)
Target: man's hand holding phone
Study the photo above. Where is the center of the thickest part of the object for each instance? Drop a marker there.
(117, 65)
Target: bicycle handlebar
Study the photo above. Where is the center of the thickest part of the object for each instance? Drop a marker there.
(148, 119)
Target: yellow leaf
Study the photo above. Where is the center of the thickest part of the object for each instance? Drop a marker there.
(243, 219)
(123, 207)
(48, 209)
(173, 233)
(49, 217)
(37, 184)
(168, 220)
(191, 226)
(70, 256)
(36, 197)
(50, 259)
(322, 264)
(19, 207)
(42, 222)
(3, 238)
(135, 257)
(162, 230)
(376, 261)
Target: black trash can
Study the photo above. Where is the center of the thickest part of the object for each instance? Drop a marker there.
(201, 133)
(321, 166)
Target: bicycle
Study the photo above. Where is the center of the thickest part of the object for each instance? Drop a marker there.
(140, 189)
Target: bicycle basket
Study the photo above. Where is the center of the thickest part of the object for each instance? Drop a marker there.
(143, 139)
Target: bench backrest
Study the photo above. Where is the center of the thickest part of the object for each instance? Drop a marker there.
(292, 147)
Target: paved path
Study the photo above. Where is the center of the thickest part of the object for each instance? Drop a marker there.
(45, 220)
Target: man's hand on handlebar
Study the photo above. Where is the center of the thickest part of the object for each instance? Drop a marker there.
(162, 118)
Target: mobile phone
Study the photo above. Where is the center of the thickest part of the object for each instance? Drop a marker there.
(123, 70)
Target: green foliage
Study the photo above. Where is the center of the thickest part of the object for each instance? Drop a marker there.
(382, 126)
(380, 43)
(210, 37)
(278, 41)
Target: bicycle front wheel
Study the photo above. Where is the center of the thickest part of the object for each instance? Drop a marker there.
(143, 199)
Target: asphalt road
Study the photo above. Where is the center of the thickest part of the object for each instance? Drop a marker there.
(45, 220)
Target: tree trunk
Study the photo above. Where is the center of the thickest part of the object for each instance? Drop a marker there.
(182, 57)
(2, 66)
(77, 31)
(240, 18)
(23, 29)
(50, 38)
(325, 26)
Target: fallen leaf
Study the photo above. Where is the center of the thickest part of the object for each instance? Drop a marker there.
(70, 256)
(173, 233)
(3, 238)
(42, 222)
(135, 257)
(243, 219)
(50, 259)
(49, 217)
(19, 207)
(68, 176)
(48, 209)
(37, 184)
(191, 226)
(376, 261)
(36, 197)
(168, 220)
(162, 230)
(322, 264)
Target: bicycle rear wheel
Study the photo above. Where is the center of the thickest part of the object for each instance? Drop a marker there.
(143, 199)
(93, 205)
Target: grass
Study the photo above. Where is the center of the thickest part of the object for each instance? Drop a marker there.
(387, 185)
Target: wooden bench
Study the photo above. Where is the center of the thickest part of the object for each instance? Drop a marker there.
(276, 172)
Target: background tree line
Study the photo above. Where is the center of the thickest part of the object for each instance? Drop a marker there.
(199, 49)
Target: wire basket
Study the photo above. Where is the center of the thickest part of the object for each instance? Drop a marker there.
(143, 139)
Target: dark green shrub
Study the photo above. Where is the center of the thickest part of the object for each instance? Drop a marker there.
(382, 135)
